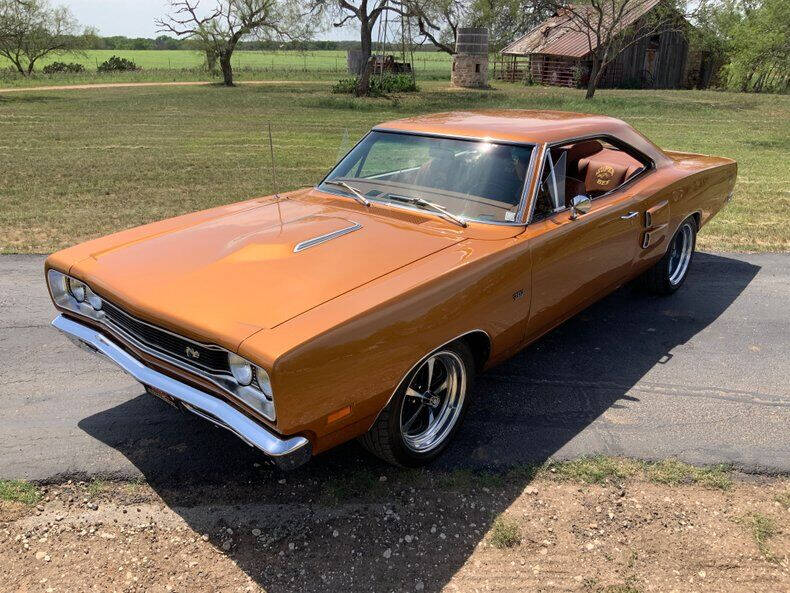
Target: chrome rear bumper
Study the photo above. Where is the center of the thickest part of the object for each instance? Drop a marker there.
(286, 453)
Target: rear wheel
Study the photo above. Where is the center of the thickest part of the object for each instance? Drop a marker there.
(427, 409)
(666, 276)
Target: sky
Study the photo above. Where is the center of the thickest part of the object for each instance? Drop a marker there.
(135, 18)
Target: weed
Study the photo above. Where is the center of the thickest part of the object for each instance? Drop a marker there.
(763, 528)
(783, 499)
(505, 533)
(672, 472)
(588, 584)
(594, 470)
(19, 491)
(357, 484)
(464, 479)
(95, 487)
(523, 474)
(619, 589)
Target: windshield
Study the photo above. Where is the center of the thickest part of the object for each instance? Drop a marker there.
(471, 179)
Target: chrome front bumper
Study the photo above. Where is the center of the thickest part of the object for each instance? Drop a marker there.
(286, 453)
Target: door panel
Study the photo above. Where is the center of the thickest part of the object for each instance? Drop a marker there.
(574, 262)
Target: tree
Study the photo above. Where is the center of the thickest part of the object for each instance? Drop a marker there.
(438, 21)
(610, 26)
(32, 29)
(230, 21)
(507, 20)
(753, 38)
(368, 14)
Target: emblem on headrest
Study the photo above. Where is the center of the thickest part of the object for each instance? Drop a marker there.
(604, 174)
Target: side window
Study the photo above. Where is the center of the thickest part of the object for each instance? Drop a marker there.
(591, 167)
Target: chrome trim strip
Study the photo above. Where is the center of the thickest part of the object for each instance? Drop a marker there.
(528, 177)
(424, 358)
(217, 411)
(326, 237)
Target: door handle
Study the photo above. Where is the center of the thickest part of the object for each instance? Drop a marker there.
(629, 216)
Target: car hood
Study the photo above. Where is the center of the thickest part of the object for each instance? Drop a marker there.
(222, 278)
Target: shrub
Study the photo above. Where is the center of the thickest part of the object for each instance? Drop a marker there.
(379, 84)
(505, 534)
(116, 64)
(58, 67)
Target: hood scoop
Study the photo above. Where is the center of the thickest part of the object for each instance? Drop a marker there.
(319, 239)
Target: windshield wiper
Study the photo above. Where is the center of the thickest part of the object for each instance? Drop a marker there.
(354, 191)
(441, 210)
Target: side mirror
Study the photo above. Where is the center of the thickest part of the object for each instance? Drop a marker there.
(580, 204)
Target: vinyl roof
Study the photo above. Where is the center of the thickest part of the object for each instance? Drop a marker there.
(566, 32)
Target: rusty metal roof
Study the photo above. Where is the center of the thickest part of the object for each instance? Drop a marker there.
(568, 33)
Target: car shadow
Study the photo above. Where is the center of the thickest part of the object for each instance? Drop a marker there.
(524, 412)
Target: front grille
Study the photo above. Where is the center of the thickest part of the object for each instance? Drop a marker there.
(209, 358)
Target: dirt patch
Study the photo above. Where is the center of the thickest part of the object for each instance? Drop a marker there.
(401, 534)
(120, 85)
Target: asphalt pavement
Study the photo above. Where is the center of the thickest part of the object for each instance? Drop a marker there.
(703, 376)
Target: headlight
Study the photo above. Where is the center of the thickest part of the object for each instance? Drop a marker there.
(94, 300)
(241, 369)
(77, 289)
(74, 295)
(264, 382)
(250, 374)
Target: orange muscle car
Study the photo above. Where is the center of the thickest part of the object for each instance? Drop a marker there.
(364, 306)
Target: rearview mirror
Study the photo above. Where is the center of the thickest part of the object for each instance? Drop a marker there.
(580, 204)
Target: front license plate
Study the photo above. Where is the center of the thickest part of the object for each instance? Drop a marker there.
(165, 397)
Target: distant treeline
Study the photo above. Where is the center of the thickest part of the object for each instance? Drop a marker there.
(163, 42)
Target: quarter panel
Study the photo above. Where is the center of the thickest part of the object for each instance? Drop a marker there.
(690, 184)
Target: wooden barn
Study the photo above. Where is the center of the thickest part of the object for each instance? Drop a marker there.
(558, 52)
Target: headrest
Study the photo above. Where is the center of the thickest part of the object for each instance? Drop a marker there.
(583, 149)
(603, 176)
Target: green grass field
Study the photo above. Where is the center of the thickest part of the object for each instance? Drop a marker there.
(178, 65)
(80, 164)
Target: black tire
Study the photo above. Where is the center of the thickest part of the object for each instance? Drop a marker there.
(659, 279)
(385, 439)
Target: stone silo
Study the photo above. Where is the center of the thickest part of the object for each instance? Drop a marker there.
(470, 61)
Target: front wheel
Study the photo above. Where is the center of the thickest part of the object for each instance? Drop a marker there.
(669, 273)
(427, 409)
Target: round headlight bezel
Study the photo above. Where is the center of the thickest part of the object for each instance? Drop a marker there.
(241, 369)
(77, 289)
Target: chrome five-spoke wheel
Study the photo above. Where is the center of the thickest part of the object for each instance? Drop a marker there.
(434, 400)
(669, 273)
(680, 253)
(426, 409)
